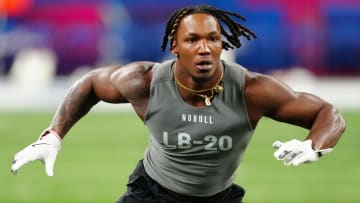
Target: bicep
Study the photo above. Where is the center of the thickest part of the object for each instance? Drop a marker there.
(132, 81)
(301, 109)
(102, 86)
(274, 99)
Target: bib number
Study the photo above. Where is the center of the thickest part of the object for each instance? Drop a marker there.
(210, 142)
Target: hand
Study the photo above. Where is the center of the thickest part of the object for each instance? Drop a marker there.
(44, 149)
(297, 152)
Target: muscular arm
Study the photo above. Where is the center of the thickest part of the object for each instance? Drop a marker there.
(266, 96)
(129, 83)
(111, 84)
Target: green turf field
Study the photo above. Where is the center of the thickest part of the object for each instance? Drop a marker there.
(102, 149)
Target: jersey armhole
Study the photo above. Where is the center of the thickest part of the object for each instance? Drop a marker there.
(158, 74)
(244, 102)
(155, 67)
(242, 89)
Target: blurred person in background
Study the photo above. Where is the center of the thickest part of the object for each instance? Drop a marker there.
(201, 113)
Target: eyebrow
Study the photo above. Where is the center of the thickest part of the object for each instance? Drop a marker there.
(196, 34)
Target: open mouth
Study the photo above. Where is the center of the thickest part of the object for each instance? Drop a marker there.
(204, 65)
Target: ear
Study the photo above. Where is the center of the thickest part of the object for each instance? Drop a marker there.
(174, 49)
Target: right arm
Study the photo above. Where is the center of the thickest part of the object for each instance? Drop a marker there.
(110, 84)
(82, 96)
(129, 83)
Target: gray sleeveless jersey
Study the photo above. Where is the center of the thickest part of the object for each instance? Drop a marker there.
(196, 150)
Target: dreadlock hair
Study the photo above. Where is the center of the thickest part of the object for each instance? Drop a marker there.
(236, 30)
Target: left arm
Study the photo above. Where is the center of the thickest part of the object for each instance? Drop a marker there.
(327, 127)
(325, 123)
(267, 96)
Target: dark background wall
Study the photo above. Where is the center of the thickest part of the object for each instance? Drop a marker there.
(319, 35)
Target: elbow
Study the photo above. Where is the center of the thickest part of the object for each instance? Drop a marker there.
(341, 124)
(339, 121)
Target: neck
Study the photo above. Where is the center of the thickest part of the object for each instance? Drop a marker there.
(207, 94)
(201, 82)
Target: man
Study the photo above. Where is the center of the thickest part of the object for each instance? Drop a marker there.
(200, 111)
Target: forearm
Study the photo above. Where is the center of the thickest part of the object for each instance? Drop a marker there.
(73, 107)
(327, 128)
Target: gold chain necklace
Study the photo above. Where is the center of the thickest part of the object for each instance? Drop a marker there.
(217, 88)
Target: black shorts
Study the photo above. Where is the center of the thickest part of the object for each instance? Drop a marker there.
(143, 189)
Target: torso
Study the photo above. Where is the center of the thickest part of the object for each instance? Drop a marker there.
(137, 89)
(204, 143)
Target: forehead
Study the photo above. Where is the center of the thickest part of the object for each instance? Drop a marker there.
(198, 23)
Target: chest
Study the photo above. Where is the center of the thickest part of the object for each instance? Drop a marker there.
(175, 125)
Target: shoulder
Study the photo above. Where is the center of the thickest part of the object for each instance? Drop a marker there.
(266, 89)
(140, 71)
(133, 79)
(265, 94)
(120, 72)
(252, 80)
(258, 82)
(133, 70)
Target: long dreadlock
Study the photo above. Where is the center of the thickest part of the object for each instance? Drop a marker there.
(236, 29)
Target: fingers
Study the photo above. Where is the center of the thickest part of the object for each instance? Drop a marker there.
(44, 149)
(279, 154)
(288, 151)
(49, 164)
(20, 159)
(282, 154)
(277, 144)
(292, 157)
(296, 156)
(17, 164)
(287, 156)
(295, 152)
(300, 160)
(45, 153)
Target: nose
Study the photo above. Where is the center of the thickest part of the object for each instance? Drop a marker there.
(204, 47)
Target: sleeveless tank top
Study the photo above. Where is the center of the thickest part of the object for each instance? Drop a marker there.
(196, 150)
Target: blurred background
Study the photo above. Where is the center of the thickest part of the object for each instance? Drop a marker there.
(46, 44)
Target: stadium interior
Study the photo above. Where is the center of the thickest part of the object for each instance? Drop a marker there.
(45, 45)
